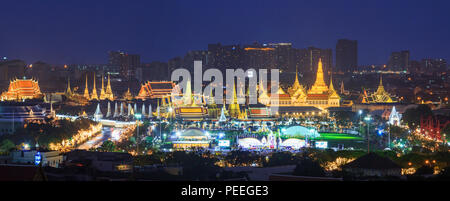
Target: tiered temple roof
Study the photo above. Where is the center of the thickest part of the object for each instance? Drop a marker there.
(151, 90)
(379, 96)
(22, 89)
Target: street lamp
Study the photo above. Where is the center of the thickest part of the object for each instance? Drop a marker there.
(368, 118)
(138, 118)
(359, 113)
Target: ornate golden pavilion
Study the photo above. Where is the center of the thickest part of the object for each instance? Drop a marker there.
(20, 89)
(379, 96)
(319, 95)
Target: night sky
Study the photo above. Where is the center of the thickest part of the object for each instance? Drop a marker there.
(81, 31)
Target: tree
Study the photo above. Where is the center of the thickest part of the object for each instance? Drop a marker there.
(446, 131)
(412, 115)
(7, 145)
(397, 132)
(107, 146)
(308, 167)
(279, 158)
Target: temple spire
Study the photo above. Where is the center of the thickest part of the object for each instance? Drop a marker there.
(108, 93)
(129, 110)
(86, 90)
(234, 106)
(331, 83)
(116, 110)
(121, 109)
(319, 86)
(158, 112)
(143, 109)
(94, 95)
(98, 114)
(211, 98)
(380, 89)
(69, 91)
(102, 91)
(333, 93)
(296, 83)
(108, 113)
(187, 98)
(150, 112)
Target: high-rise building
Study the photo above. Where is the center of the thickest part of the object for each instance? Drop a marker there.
(10, 69)
(259, 56)
(314, 55)
(124, 63)
(399, 61)
(223, 57)
(346, 55)
(433, 65)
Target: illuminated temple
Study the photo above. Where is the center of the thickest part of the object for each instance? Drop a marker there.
(379, 96)
(151, 90)
(319, 95)
(190, 108)
(20, 89)
(105, 94)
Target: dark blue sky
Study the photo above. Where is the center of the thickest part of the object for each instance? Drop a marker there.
(81, 31)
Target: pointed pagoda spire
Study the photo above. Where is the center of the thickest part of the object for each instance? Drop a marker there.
(94, 95)
(121, 109)
(211, 100)
(98, 114)
(86, 90)
(150, 112)
(319, 86)
(241, 96)
(331, 83)
(381, 80)
(102, 91)
(380, 86)
(129, 109)
(68, 91)
(333, 92)
(108, 93)
(222, 117)
(234, 106)
(187, 97)
(108, 113)
(158, 112)
(52, 112)
(280, 90)
(128, 95)
(296, 82)
(116, 110)
(143, 109)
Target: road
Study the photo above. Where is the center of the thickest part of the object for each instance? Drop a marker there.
(108, 133)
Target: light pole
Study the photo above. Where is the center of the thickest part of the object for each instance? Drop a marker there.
(359, 113)
(368, 118)
(138, 117)
(389, 137)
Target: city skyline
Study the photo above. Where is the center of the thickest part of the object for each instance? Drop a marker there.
(161, 31)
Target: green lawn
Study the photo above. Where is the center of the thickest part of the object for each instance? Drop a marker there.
(338, 136)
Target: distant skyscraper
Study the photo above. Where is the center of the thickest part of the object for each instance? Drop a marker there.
(434, 65)
(346, 55)
(399, 61)
(124, 63)
(314, 54)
